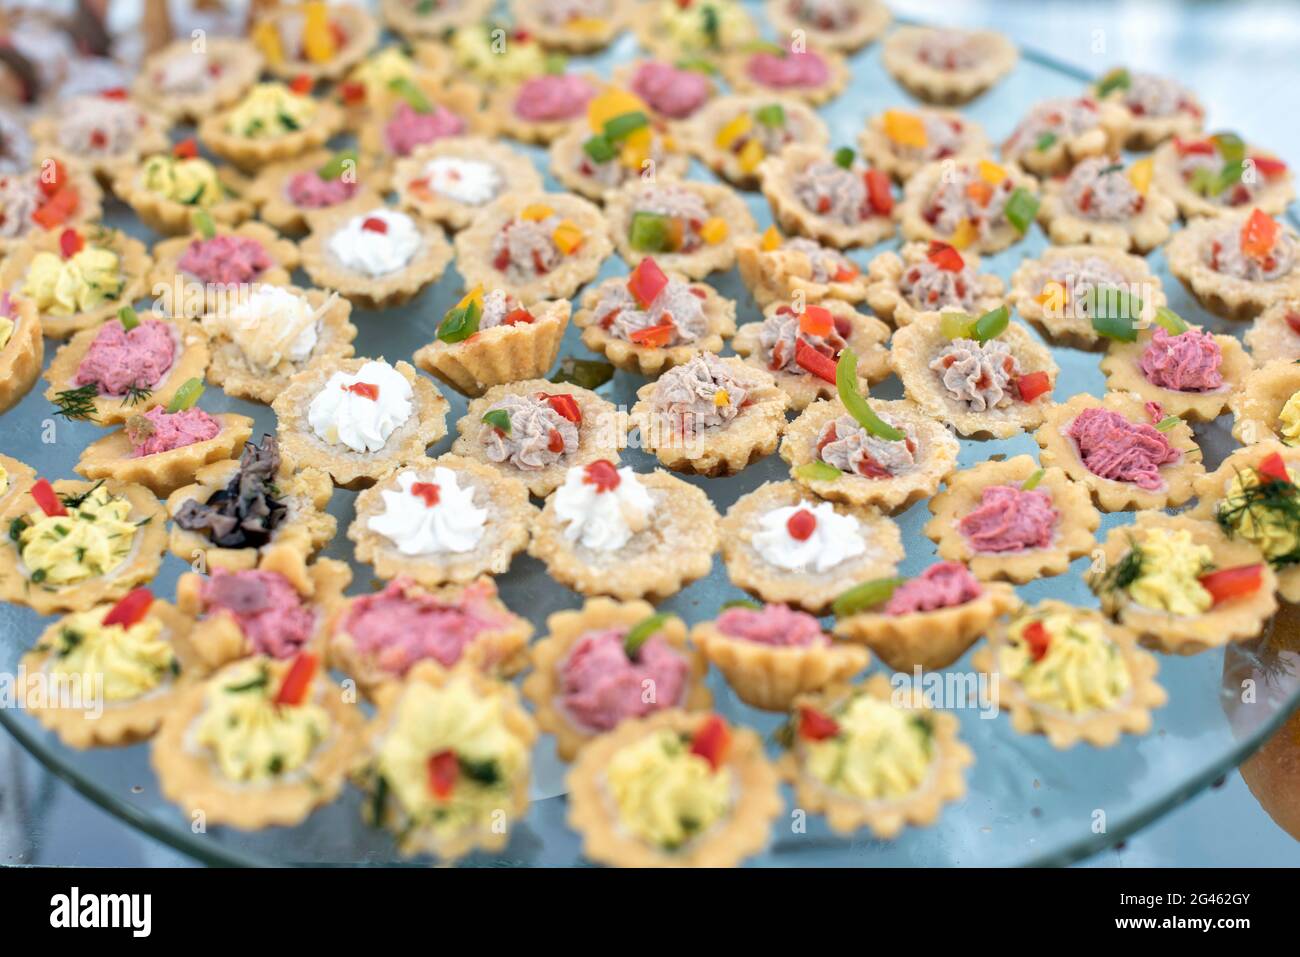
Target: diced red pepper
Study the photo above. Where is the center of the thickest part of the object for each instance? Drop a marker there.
(646, 282)
(801, 525)
(301, 84)
(813, 362)
(1293, 320)
(815, 726)
(945, 257)
(57, 209)
(374, 224)
(555, 442)
(353, 93)
(879, 193)
(1259, 234)
(816, 321)
(47, 499)
(339, 34)
(293, 689)
(444, 770)
(429, 491)
(1272, 467)
(517, 317)
(1032, 385)
(56, 182)
(654, 337)
(130, 609)
(1037, 638)
(1229, 583)
(1269, 166)
(70, 243)
(846, 273)
(603, 474)
(114, 93)
(1186, 147)
(366, 390)
(712, 740)
(980, 191)
(186, 149)
(565, 405)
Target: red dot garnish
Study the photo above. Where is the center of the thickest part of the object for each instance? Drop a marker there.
(801, 525)
(429, 491)
(602, 474)
(374, 224)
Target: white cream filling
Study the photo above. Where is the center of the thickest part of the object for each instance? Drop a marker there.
(603, 521)
(835, 538)
(472, 182)
(341, 415)
(451, 524)
(371, 251)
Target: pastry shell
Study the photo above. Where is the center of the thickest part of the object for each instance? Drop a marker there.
(1073, 536)
(90, 203)
(501, 354)
(564, 36)
(150, 137)
(699, 132)
(401, 17)
(501, 103)
(1122, 365)
(886, 818)
(912, 224)
(350, 469)
(133, 268)
(163, 472)
(735, 67)
(868, 338)
(1273, 199)
(936, 457)
(564, 629)
(167, 278)
(1257, 403)
(1271, 337)
(1101, 729)
(139, 566)
(240, 64)
(775, 175)
(1103, 138)
(22, 356)
(744, 832)
(515, 170)
(188, 777)
(718, 450)
(807, 589)
(474, 245)
(722, 203)
(886, 298)
(719, 314)
(915, 346)
(1147, 132)
(779, 275)
(1110, 495)
(18, 478)
(657, 562)
(360, 29)
(1139, 233)
(505, 533)
(885, 155)
(465, 100)
(189, 361)
(173, 218)
(1237, 619)
(566, 157)
(1224, 295)
(274, 208)
(946, 87)
(872, 19)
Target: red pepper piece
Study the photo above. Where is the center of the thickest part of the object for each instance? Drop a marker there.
(815, 726)
(186, 149)
(845, 273)
(1293, 320)
(374, 224)
(57, 209)
(114, 93)
(1229, 583)
(945, 257)
(70, 243)
(367, 390)
(813, 362)
(429, 491)
(1269, 166)
(712, 740)
(655, 337)
(603, 474)
(816, 321)
(130, 609)
(51, 185)
(1032, 385)
(444, 770)
(1186, 147)
(1272, 467)
(646, 281)
(48, 499)
(353, 93)
(301, 84)
(293, 689)
(555, 442)
(1259, 234)
(516, 317)
(339, 34)
(801, 525)
(565, 405)
(1037, 638)
(878, 192)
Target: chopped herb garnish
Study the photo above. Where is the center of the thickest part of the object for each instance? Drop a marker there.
(78, 403)
(588, 373)
(844, 157)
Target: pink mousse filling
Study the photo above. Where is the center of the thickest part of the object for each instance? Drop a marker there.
(789, 69)
(119, 360)
(309, 190)
(1114, 448)
(939, 586)
(544, 99)
(225, 259)
(409, 129)
(772, 625)
(265, 606)
(670, 91)
(400, 626)
(171, 430)
(1187, 362)
(601, 686)
(1009, 520)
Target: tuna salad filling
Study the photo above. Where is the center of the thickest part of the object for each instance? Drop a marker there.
(98, 126)
(826, 265)
(528, 432)
(849, 447)
(980, 374)
(949, 50)
(1112, 447)
(1079, 277)
(1051, 122)
(944, 585)
(225, 260)
(777, 625)
(161, 431)
(931, 288)
(1187, 362)
(246, 513)
(834, 192)
(701, 394)
(601, 684)
(266, 607)
(782, 332)
(1098, 189)
(525, 248)
(121, 361)
(1009, 519)
(1150, 95)
(824, 14)
(1225, 255)
(675, 316)
(681, 213)
(965, 196)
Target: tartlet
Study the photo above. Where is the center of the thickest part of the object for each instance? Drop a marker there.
(356, 419)
(641, 154)
(777, 269)
(432, 108)
(1057, 134)
(813, 195)
(236, 133)
(1102, 203)
(673, 32)
(291, 193)
(220, 193)
(15, 478)
(592, 657)
(1275, 333)
(185, 83)
(710, 416)
(325, 49)
(559, 26)
(415, 20)
(924, 278)
(22, 349)
(782, 544)
(1153, 469)
(722, 216)
(450, 180)
(1237, 264)
(813, 71)
(58, 193)
(1261, 406)
(103, 132)
(445, 520)
(966, 203)
(1114, 688)
(947, 66)
(1206, 176)
(909, 766)
(989, 521)
(844, 25)
(544, 107)
(592, 431)
(1191, 373)
(610, 531)
(1159, 107)
(732, 135)
(229, 259)
(729, 778)
(901, 141)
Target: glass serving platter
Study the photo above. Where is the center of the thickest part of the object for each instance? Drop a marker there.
(1026, 803)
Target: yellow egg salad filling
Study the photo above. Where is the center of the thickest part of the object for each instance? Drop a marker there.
(1267, 519)
(492, 54)
(1288, 421)
(92, 539)
(450, 758)
(1170, 565)
(880, 752)
(270, 110)
(1080, 670)
(64, 287)
(663, 793)
(193, 181)
(131, 661)
(251, 737)
(716, 25)
(382, 69)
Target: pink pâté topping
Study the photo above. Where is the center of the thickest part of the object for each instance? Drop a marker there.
(266, 607)
(669, 91)
(602, 686)
(1114, 448)
(225, 259)
(309, 190)
(402, 625)
(788, 69)
(409, 129)
(553, 97)
(120, 360)
(1187, 362)
(773, 624)
(942, 585)
(161, 431)
(1009, 519)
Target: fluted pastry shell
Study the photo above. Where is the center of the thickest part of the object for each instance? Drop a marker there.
(465, 100)
(1139, 233)
(240, 64)
(362, 35)
(515, 170)
(1122, 365)
(90, 202)
(699, 133)
(886, 298)
(22, 356)
(873, 18)
(18, 478)
(174, 218)
(909, 210)
(501, 103)
(883, 153)
(564, 36)
(779, 275)
(267, 190)
(501, 354)
(1224, 295)
(722, 203)
(1257, 404)
(166, 278)
(946, 87)
(1146, 132)
(1271, 337)
(775, 176)
(1273, 199)
(1104, 138)
(163, 472)
(566, 157)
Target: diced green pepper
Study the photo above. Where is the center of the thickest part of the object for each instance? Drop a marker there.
(818, 472)
(641, 632)
(599, 149)
(337, 164)
(771, 115)
(411, 93)
(649, 232)
(1167, 423)
(128, 317)
(186, 395)
(1021, 208)
(1230, 146)
(1114, 312)
(623, 125)
(1117, 79)
(588, 373)
(555, 63)
(846, 383)
(742, 603)
(1045, 142)
(1171, 321)
(203, 223)
(844, 157)
(499, 419)
(956, 325)
(867, 595)
(460, 323)
(1031, 483)
(992, 324)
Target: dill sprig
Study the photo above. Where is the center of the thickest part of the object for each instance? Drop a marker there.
(74, 502)
(1270, 502)
(135, 395)
(78, 403)
(1124, 572)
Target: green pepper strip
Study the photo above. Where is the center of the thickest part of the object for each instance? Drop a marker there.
(1031, 483)
(864, 596)
(992, 324)
(846, 383)
(128, 317)
(1171, 321)
(641, 632)
(499, 419)
(186, 396)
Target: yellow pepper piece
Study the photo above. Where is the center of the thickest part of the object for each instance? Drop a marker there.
(721, 398)
(267, 39)
(1053, 297)
(613, 102)
(991, 173)
(474, 295)
(317, 37)
(1139, 174)
(771, 239)
(905, 129)
(567, 237)
(964, 234)
(751, 154)
(587, 24)
(536, 212)
(733, 130)
(714, 230)
(636, 148)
